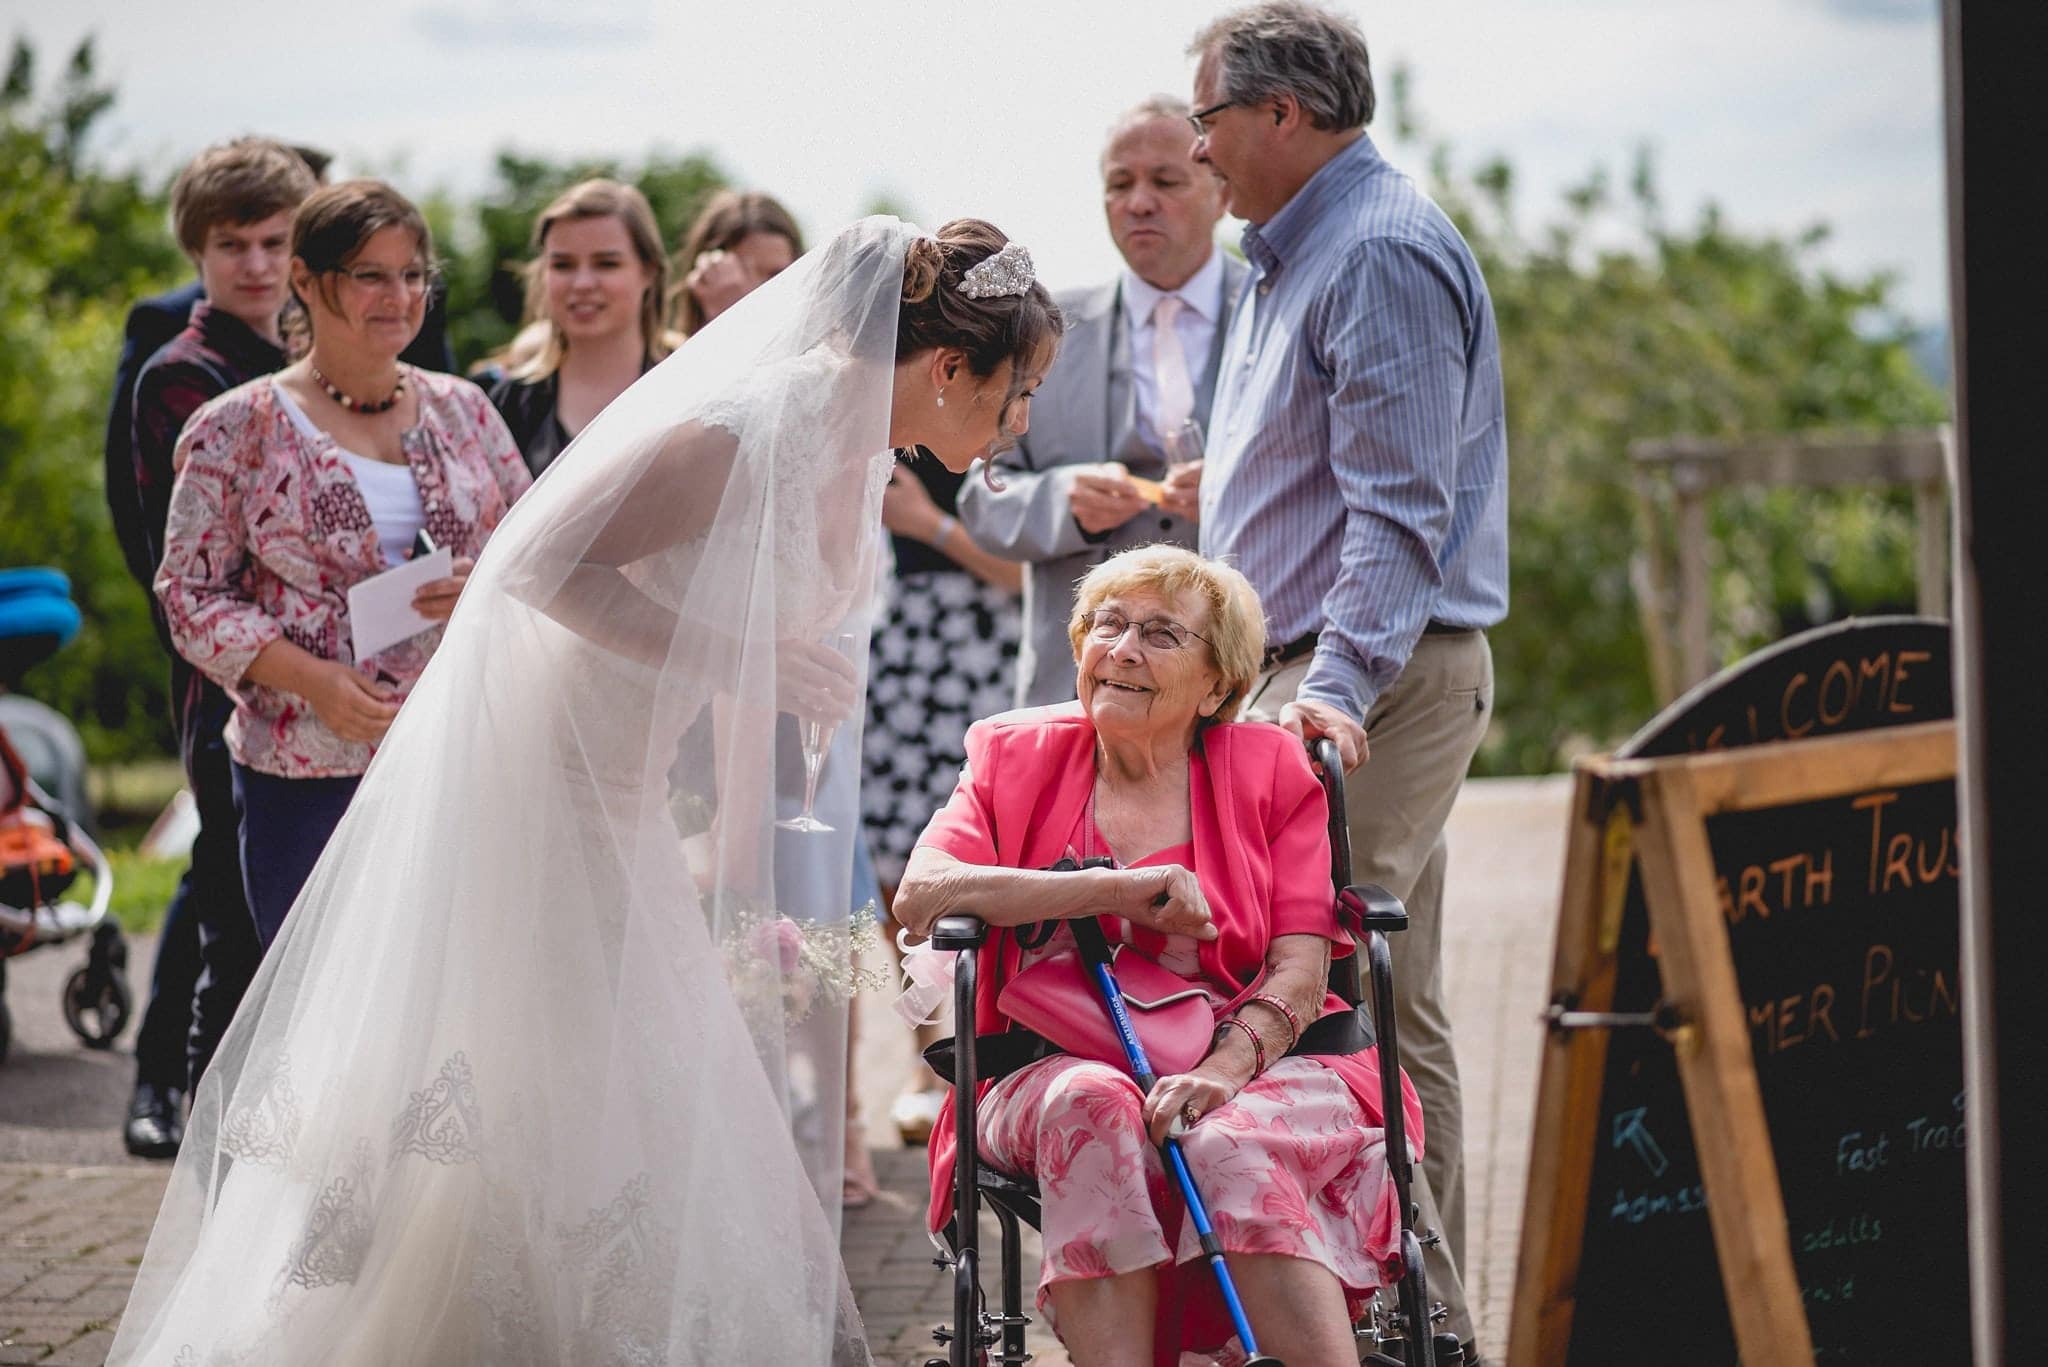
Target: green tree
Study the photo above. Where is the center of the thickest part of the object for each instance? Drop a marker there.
(1691, 329)
(81, 244)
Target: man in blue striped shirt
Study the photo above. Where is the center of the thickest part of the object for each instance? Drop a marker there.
(1357, 473)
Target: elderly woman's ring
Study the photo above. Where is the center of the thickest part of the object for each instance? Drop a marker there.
(1189, 1113)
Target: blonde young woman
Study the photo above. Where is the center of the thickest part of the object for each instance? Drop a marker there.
(594, 296)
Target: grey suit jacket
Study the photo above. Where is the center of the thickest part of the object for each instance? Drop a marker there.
(1085, 413)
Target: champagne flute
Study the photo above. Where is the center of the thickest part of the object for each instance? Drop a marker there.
(1184, 447)
(816, 738)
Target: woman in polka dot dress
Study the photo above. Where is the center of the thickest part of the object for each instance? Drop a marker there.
(945, 657)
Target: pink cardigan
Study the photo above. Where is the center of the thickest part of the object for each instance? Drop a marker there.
(1262, 855)
(268, 529)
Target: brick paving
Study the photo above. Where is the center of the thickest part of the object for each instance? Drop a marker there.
(75, 1212)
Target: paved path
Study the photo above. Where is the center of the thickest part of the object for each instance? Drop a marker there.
(75, 1211)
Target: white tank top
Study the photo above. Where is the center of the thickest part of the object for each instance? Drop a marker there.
(389, 491)
(393, 497)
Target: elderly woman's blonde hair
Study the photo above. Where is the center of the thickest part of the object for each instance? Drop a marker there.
(1236, 630)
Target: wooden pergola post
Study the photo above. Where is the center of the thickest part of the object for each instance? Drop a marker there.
(1678, 621)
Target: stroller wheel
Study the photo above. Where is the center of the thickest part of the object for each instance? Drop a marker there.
(97, 1004)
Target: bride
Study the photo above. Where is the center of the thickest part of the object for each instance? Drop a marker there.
(531, 1074)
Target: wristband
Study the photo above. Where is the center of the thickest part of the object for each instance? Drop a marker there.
(946, 526)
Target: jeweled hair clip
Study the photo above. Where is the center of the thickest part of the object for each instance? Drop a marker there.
(1008, 271)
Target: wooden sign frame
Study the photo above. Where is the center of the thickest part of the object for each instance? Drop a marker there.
(1652, 813)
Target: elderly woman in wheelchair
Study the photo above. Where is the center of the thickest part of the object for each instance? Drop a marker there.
(1202, 846)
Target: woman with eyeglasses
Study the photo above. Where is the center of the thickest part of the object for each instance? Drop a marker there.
(1217, 837)
(296, 487)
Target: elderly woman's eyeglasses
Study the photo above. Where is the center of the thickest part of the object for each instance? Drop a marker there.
(1161, 633)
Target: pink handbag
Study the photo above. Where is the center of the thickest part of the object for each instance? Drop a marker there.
(1056, 998)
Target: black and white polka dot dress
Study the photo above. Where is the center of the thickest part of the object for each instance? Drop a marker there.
(944, 657)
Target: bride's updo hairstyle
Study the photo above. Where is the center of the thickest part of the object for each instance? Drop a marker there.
(1019, 328)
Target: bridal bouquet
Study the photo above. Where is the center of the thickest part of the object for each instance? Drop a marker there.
(781, 968)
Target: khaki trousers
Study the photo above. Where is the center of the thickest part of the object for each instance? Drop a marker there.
(1422, 734)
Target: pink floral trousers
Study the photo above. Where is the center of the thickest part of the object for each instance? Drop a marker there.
(1288, 1166)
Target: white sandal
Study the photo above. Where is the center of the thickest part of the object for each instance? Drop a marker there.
(915, 1113)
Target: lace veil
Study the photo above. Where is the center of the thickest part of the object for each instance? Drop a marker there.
(548, 1063)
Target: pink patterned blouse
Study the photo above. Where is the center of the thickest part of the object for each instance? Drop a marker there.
(268, 529)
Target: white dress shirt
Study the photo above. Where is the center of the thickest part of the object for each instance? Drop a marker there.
(1196, 327)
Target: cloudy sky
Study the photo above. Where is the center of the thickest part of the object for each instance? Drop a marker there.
(1786, 112)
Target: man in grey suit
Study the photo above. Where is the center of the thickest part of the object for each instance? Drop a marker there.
(1102, 467)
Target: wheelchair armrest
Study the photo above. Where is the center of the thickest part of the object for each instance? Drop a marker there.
(959, 932)
(1374, 907)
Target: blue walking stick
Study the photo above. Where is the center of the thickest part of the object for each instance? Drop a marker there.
(1095, 954)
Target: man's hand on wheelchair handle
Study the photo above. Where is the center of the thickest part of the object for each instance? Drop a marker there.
(1308, 718)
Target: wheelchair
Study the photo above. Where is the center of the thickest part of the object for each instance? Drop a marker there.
(1399, 1328)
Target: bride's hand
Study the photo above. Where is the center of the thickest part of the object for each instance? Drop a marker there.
(815, 682)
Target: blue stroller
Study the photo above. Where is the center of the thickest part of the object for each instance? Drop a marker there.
(44, 843)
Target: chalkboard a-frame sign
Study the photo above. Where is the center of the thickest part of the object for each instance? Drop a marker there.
(1748, 1142)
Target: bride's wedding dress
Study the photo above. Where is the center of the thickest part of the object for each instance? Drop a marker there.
(516, 1085)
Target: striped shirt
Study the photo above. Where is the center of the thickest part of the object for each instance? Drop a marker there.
(1357, 457)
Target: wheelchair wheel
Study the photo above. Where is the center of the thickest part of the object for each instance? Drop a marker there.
(97, 1004)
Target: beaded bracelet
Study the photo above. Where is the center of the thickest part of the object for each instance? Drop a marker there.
(1258, 1045)
(1286, 1011)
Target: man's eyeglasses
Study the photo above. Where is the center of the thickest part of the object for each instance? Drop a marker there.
(415, 280)
(1161, 633)
(1199, 120)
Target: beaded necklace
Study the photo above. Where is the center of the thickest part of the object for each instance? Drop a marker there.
(383, 405)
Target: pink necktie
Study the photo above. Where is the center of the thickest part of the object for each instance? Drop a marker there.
(1174, 396)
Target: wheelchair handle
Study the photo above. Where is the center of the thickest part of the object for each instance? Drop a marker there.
(959, 932)
(1323, 751)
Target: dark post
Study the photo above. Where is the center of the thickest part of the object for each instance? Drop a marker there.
(1997, 124)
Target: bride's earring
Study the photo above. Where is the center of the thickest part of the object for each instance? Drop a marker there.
(942, 396)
